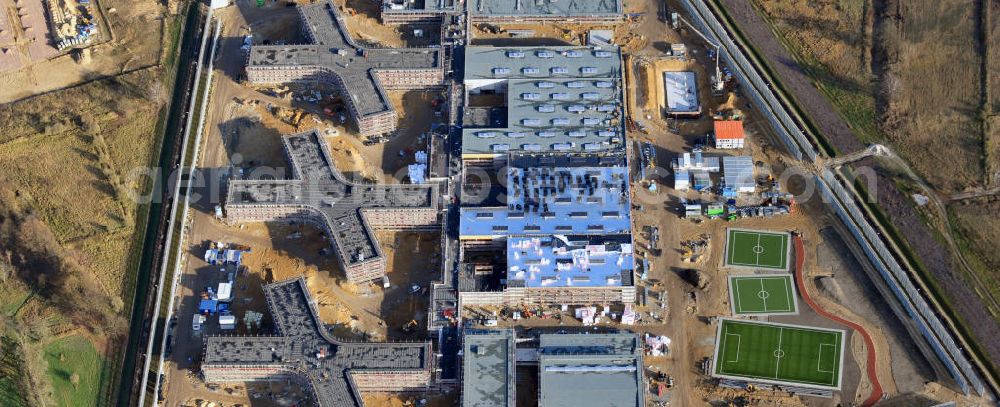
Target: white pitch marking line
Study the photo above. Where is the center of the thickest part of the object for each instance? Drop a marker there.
(819, 359)
(736, 296)
(777, 362)
(784, 252)
(763, 294)
(757, 252)
(788, 294)
(739, 339)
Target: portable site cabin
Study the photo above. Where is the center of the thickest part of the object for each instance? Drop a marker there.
(224, 256)
(227, 322)
(682, 180)
(692, 211)
(211, 256)
(715, 209)
(231, 256)
(702, 181)
(729, 134)
(208, 306)
(196, 322)
(696, 161)
(225, 292)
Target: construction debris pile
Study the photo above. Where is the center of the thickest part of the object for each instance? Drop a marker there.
(695, 248)
(73, 22)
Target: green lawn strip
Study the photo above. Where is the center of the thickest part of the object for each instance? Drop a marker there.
(11, 373)
(74, 357)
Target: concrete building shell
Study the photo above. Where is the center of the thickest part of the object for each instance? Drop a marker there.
(332, 372)
(361, 75)
(347, 212)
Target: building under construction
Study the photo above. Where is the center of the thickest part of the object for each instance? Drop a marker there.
(362, 75)
(681, 95)
(418, 11)
(504, 11)
(559, 234)
(573, 369)
(545, 215)
(346, 211)
(560, 100)
(334, 373)
(535, 11)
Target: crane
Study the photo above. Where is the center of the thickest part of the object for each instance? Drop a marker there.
(717, 83)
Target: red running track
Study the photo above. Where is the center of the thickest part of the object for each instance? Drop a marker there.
(800, 259)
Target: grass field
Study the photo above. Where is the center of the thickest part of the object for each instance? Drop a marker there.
(757, 249)
(74, 355)
(11, 375)
(762, 295)
(75, 176)
(779, 353)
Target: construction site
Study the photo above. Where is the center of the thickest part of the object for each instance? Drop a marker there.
(549, 204)
(33, 31)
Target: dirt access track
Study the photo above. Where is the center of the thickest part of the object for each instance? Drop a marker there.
(894, 203)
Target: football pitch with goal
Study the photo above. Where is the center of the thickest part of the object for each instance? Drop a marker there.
(779, 354)
(762, 295)
(757, 249)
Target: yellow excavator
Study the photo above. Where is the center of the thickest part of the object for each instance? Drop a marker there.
(409, 326)
(727, 110)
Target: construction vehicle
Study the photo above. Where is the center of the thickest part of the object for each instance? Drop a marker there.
(634, 17)
(409, 326)
(686, 255)
(727, 110)
(718, 81)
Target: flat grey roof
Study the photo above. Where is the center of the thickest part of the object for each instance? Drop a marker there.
(543, 8)
(590, 370)
(682, 92)
(488, 369)
(304, 348)
(559, 99)
(318, 190)
(335, 52)
(480, 61)
(737, 172)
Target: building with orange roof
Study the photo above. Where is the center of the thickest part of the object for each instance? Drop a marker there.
(729, 134)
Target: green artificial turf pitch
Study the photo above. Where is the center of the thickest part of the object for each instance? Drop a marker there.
(780, 354)
(757, 249)
(762, 295)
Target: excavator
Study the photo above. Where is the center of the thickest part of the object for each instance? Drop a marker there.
(727, 110)
(409, 326)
